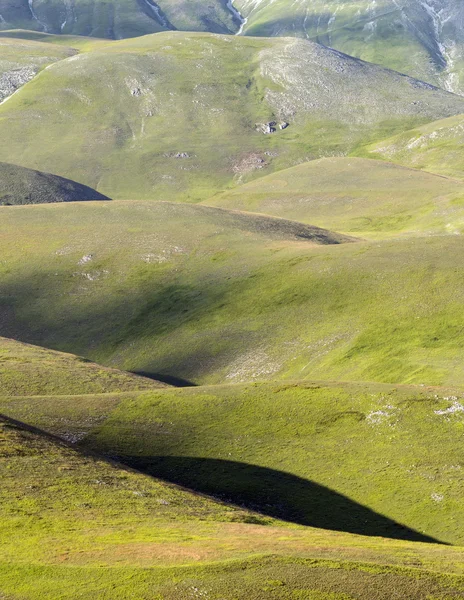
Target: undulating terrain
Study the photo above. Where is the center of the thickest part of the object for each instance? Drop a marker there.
(231, 291)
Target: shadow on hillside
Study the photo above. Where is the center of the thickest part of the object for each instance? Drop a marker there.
(276, 494)
(169, 379)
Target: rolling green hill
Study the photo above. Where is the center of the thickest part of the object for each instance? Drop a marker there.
(27, 370)
(436, 147)
(72, 521)
(364, 197)
(181, 116)
(287, 449)
(26, 186)
(207, 295)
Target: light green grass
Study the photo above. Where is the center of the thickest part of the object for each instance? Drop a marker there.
(359, 196)
(74, 523)
(211, 296)
(359, 458)
(173, 115)
(435, 147)
(29, 370)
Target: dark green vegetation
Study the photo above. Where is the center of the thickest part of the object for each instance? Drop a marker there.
(116, 19)
(26, 186)
(175, 116)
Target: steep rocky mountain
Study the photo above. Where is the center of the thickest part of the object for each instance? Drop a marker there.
(116, 19)
(423, 38)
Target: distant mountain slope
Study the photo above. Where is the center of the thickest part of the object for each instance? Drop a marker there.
(423, 38)
(437, 147)
(26, 186)
(27, 370)
(365, 197)
(21, 60)
(182, 116)
(207, 296)
(116, 19)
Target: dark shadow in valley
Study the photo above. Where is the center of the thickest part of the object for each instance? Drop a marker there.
(169, 379)
(274, 493)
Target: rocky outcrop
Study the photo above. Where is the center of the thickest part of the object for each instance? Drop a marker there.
(11, 81)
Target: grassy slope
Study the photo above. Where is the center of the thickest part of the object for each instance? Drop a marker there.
(404, 36)
(64, 516)
(288, 449)
(436, 147)
(206, 295)
(360, 196)
(29, 370)
(26, 186)
(21, 60)
(199, 96)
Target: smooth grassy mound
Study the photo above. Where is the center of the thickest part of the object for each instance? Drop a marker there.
(27, 370)
(209, 296)
(423, 39)
(26, 186)
(71, 521)
(435, 147)
(366, 197)
(181, 116)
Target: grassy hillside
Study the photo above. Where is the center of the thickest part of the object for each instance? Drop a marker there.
(27, 370)
(289, 449)
(181, 116)
(206, 295)
(26, 186)
(22, 59)
(436, 147)
(364, 197)
(73, 521)
(423, 39)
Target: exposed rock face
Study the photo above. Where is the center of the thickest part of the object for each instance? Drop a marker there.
(266, 128)
(10, 81)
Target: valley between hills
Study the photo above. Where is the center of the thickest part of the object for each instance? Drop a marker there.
(231, 300)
